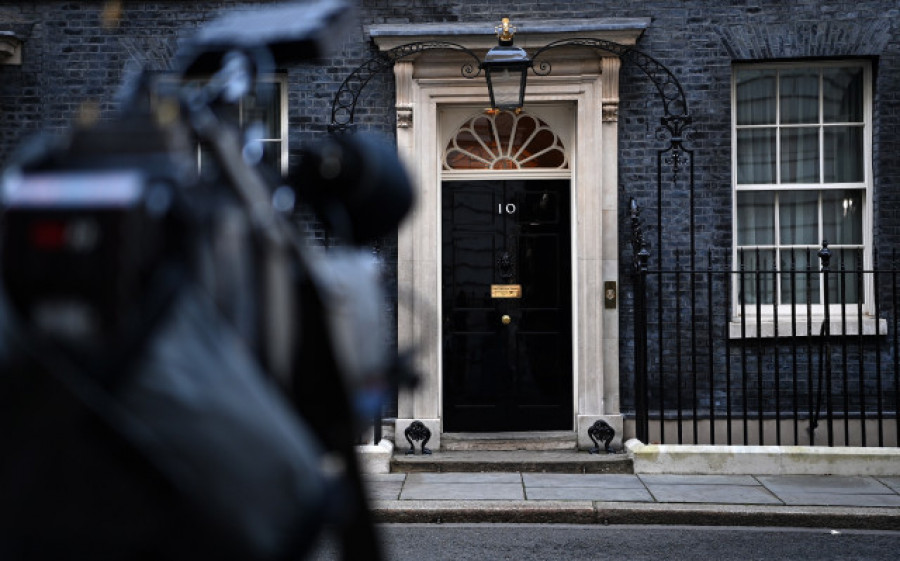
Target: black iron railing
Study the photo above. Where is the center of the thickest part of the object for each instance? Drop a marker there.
(732, 349)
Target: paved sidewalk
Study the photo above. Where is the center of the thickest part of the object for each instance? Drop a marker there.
(763, 500)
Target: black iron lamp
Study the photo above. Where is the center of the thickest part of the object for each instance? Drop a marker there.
(505, 69)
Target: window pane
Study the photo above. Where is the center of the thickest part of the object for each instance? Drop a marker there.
(272, 155)
(799, 91)
(842, 216)
(756, 218)
(843, 154)
(798, 214)
(506, 86)
(757, 276)
(843, 282)
(800, 155)
(265, 110)
(842, 90)
(755, 97)
(756, 156)
(799, 277)
(483, 128)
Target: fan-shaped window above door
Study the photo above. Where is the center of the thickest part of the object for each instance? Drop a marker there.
(505, 141)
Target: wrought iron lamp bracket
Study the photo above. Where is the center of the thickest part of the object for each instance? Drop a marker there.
(668, 86)
(343, 106)
(676, 120)
(675, 124)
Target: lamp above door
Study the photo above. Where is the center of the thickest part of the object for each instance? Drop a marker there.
(506, 68)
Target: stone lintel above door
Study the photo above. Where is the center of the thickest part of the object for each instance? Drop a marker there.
(530, 34)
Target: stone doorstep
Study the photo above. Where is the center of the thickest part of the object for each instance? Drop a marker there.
(508, 441)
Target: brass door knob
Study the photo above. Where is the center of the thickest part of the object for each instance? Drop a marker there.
(505, 319)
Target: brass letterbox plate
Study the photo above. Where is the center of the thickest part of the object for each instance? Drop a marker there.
(506, 291)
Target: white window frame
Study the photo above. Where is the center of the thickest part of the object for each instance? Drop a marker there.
(785, 310)
(281, 81)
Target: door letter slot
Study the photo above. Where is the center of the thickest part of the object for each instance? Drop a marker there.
(506, 291)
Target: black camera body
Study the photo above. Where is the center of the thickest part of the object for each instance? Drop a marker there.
(88, 225)
(190, 321)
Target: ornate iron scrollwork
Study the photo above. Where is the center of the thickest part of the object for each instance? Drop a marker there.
(668, 86)
(601, 430)
(417, 431)
(343, 106)
(676, 118)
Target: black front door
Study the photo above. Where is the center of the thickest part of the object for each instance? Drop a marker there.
(507, 334)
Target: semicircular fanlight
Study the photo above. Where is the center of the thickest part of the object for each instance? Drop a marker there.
(505, 141)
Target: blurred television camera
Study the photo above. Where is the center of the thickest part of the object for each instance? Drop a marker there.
(183, 374)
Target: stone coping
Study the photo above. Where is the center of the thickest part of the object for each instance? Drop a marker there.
(763, 460)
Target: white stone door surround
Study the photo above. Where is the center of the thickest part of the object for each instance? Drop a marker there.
(586, 81)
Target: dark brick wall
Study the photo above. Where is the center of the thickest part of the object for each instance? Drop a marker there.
(70, 58)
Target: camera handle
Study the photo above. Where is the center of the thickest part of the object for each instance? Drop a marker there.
(279, 245)
(279, 328)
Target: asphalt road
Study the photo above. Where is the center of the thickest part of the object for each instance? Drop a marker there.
(531, 542)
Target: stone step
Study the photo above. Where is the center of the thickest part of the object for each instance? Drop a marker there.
(529, 461)
(508, 441)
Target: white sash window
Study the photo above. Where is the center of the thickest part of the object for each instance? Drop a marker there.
(801, 174)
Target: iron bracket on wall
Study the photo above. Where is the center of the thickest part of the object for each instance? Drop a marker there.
(417, 431)
(668, 86)
(343, 106)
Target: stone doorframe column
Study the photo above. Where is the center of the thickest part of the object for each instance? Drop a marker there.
(579, 76)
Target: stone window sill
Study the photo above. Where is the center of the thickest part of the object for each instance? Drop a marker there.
(786, 330)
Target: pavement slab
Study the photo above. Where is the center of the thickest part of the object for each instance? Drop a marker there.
(593, 487)
(462, 492)
(711, 493)
(892, 482)
(831, 490)
(701, 479)
(741, 500)
(838, 499)
(384, 486)
(463, 486)
(382, 478)
(384, 491)
(588, 494)
(831, 484)
(609, 481)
